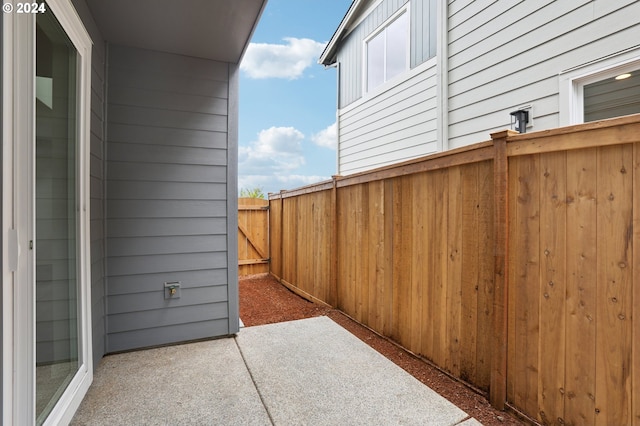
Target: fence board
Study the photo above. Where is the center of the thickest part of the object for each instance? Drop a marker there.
(512, 352)
(524, 244)
(470, 285)
(437, 279)
(454, 272)
(614, 244)
(635, 314)
(552, 285)
(377, 295)
(581, 285)
(485, 284)
(421, 337)
(403, 236)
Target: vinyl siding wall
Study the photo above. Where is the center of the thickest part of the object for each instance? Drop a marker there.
(400, 115)
(166, 198)
(396, 125)
(504, 55)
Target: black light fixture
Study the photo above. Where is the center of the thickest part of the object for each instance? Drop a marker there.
(519, 120)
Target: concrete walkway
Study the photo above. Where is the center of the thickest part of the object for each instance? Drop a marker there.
(306, 372)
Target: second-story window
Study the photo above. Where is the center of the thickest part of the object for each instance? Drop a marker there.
(387, 51)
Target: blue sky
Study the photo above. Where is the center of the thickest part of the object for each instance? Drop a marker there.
(287, 100)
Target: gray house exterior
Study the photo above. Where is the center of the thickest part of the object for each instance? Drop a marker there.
(457, 69)
(119, 187)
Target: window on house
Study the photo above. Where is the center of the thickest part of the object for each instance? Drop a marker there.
(387, 51)
(613, 96)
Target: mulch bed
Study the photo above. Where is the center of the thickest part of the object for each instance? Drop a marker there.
(263, 300)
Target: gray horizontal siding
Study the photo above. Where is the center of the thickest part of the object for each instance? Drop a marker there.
(143, 153)
(159, 136)
(502, 56)
(165, 191)
(146, 302)
(159, 118)
(166, 208)
(165, 334)
(132, 171)
(148, 283)
(166, 198)
(146, 227)
(157, 263)
(167, 245)
(155, 318)
(153, 78)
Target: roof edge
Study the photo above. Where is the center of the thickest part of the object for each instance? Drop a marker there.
(327, 57)
(253, 30)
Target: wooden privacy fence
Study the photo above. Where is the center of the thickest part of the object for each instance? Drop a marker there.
(253, 236)
(512, 264)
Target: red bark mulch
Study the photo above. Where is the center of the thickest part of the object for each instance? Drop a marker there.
(263, 300)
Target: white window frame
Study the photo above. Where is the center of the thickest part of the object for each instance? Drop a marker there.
(572, 82)
(387, 82)
(18, 216)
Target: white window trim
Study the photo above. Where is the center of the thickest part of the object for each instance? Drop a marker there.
(18, 387)
(387, 83)
(572, 82)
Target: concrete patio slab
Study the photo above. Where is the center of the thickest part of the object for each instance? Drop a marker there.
(306, 372)
(204, 383)
(314, 372)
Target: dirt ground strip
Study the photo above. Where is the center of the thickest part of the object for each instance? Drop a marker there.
(263, 300)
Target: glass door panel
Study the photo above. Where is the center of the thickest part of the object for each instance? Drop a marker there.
(56, 194)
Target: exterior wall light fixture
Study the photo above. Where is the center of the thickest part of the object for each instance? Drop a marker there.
(519, 120)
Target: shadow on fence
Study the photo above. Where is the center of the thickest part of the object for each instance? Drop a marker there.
(510, 264)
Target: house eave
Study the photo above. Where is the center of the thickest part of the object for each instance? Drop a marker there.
(216, 30)
(328, 56)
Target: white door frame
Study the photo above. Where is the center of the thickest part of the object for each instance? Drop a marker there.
(18, 216)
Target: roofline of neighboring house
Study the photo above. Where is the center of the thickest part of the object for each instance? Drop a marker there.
(328, 57)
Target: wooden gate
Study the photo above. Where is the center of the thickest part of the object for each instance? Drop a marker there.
(253, 236)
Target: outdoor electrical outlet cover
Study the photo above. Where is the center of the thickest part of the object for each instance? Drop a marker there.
(172, 290)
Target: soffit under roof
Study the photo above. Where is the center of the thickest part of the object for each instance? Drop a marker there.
(211, 29)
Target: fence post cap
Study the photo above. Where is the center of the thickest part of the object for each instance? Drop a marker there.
(503, 134)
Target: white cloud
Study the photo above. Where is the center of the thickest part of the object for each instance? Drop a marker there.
(271, 162)
(277, 149)
(327, 138)
(263, 60)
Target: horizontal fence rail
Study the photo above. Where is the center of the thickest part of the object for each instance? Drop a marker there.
(510, 264)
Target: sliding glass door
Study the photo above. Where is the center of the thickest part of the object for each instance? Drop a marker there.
(47, 366)
(56, 201)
